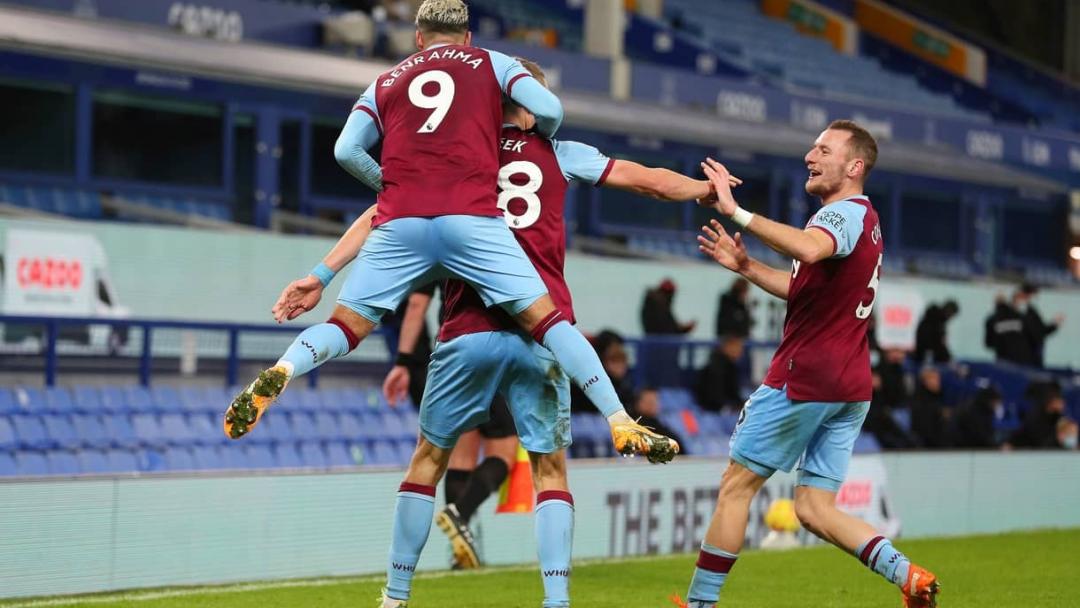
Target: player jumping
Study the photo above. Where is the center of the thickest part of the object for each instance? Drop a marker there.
(481, 352)
(817, 392)
(438, 114)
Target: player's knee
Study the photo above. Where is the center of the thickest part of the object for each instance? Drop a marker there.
(428, 463)
(355, 326)
(549, 470)
(739, 483)
(809, 512)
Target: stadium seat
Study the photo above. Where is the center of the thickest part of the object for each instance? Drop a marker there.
(86, 399)
(208, 457)
(303, 425)
(7, 434)
(7, 464)
(304, 400)
(120, 430)
(312, 455)
(122, 461)
(147, 429)
(31, 464)
(866, 443)
(8, 404)
(382, 453)
(287, 456)
(62, 462)
(92, 461)
(30, 399)
(392, 426)
(151, 460)
(405, 449)
(327, 426)
(112, 399)
(166, 399)
(58, 400)
(233, 456)
(61, 431)
(30, 432)
(351, 427)
(274, 427)
(175, 429)
(338, 454)
(137, 399)
(179, 459)
(258, 456)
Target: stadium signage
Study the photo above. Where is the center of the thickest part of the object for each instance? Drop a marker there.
(742, 106)
(985, 144)
(206, 21)
(50, 273)
(813, 19)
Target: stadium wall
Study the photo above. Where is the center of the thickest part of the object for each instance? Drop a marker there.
(182, 273)
(71, 536)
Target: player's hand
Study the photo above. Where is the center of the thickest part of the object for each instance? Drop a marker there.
(297, 298)
(729, 252)
(721, 182)
(1059, 319)
(396, 386)
(709, 200)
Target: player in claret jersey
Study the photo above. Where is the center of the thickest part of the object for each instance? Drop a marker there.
(438, 114)
(816, 394)
(482, 352)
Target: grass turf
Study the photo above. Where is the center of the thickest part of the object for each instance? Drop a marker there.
(1029, 570)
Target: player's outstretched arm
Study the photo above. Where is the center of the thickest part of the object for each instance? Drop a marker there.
(304, 294)
(808, 246)
(730, 252)
(542, 103)
(659, 183)
(359, 135)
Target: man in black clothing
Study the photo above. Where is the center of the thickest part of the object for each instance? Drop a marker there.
(929, 416)
(1040, 423)
(1005, 333)
(1035, 327)
(733, 313)
(890, 391)
(612, 352)
(660, 362)
(718, 382)
(930, 341)
(974, 426)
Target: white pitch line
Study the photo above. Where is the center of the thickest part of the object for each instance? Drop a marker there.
(146, 596)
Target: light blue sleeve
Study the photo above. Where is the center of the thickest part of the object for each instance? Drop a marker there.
(844, 221)
(359, 135)
(519, 85)
(581, 161)
(367, 100)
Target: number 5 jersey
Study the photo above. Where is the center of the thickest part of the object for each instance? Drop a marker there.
(824, 354)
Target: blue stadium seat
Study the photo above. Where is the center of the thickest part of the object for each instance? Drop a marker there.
(405, 449)
(30, 432)
(175, 429)
(312, 455)
(392, 426)
(8, 404)
(151, 460)
(370, 426)
(86, 398)
(258, 456)
(166, 399)
(206, 429)
(112, 399)
(354, 399)
(233, 456)
(30, 399)
(31, 463)
(147, 429)
(305, 400)
(351, 426)
(58, 400)
(303, 425)
(208, 457)
(287, 456)
(7, 434)
(409, 419)
(382, 453)
(338, 454)
(902, 418)
(120, 430)
(327, 427)
(62, 462)
(179, 459)
(61, 431)
(866, 443)
(728, 423)
(92, 461)
(274, 427)
(137, 399)
(90, 430)
(8, 467)
(122, 461)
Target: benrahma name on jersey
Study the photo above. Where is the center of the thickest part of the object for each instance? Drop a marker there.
(472, 60)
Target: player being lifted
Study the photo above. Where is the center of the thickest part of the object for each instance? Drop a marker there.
(482, 352)
(438, 114)
(817, 392)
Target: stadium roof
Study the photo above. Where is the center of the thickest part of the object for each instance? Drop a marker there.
(144, 46)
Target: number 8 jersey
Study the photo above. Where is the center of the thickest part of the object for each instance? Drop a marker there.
(532, 182)
(824, 354)
(438, 113)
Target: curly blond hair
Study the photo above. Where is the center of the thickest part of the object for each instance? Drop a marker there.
(443, 17)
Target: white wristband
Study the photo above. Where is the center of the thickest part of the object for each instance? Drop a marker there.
(741, 217)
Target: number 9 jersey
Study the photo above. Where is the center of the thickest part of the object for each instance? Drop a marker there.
(824, 355)
(439, 113)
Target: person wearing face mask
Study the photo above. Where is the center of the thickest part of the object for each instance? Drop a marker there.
(974, 425)
(1040, 423)
(1068, 434)
(1005, 334)
(1035, 327)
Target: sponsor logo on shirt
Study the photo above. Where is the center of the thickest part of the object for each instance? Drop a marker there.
(831, 218)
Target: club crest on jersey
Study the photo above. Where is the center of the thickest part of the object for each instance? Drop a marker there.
(439, 53)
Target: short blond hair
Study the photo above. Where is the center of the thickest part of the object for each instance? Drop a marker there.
(861, 145)
(443, 17)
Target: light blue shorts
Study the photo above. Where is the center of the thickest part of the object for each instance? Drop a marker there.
(466, 373)
(774, 433)
(410, 252)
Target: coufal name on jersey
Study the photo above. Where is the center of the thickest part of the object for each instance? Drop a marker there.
(513, 145)
(439, 53)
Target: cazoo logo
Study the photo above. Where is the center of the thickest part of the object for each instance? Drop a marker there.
(206, 21)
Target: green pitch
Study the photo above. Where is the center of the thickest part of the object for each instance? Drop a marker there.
(1025, 570)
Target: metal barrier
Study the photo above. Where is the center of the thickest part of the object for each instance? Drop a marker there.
(654, 360)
